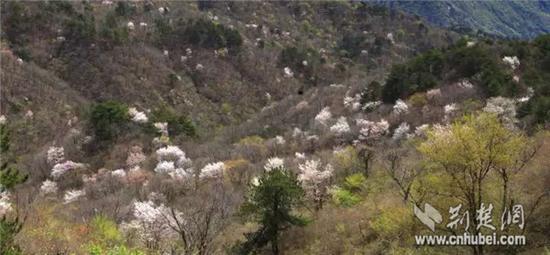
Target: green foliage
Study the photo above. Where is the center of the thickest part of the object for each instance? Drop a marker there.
(104, 230)
(270, 204)
(8, 230)
(419, 74)
(293, 58)
(371, 93)
(9, 177)
(81, 29)
(177, 124)
(111, 31)
(348, 194)
(108, 119)
(208, 34)
(164, 30)
(344, 197)
(16, 23)
(124, 9)
(355, 182)
(352, 44)
(425, 71)
(537, 76)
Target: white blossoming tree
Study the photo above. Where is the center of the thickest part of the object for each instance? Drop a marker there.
(323, 116)
(273, 163)
(315, 180)
(341, 127)
(504, 108)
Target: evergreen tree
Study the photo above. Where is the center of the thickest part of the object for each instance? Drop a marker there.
(270, 203)
(9, 177)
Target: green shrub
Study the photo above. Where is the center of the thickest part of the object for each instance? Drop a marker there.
(344, 197)
(208, 34)
(425, 71)
(355, 183)
(124, 9)
(112, 32)
(420, 74)
(104, 231)
(293, 58)
(177, 124)
(352, 44)
(371, 93)
(80, 29)
(108, 119)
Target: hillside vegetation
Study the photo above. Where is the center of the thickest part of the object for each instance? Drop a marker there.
(262, 128)
(506, 19)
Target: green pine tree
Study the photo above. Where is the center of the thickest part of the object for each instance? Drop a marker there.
(9, 177)
(270, 204)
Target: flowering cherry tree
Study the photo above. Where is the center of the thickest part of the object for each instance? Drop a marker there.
(400, 107)
(323, 116)
(48, 187)
(61, 168)
(273, 163)
(341, 126)
(212, 170)
(55, 155)
(371, 129)
(315, 180)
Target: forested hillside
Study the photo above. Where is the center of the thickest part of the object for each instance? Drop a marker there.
(505, 19)
(199, 127)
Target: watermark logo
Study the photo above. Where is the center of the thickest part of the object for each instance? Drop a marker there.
(460, 218)
(429, 217)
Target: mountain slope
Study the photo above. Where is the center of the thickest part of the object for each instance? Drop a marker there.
(510, 19)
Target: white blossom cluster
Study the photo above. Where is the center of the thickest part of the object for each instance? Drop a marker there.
(401, 131)
(314, 178)
(371, 105)
(449, 110)
(5, 204)
(60, 169)
(152, 222)
(512, 61)
(162, 127)
(371, 129)
(300, 155)
(48, 187)
(353, 103)
(273, 163)
(3, 120)
(280, 140)
(530, 93)
(212, 170)
(504, 108)
(400, 107)
(341, 126)
(119, 173)
(73, 195)
(173, 161)
(323, 116)
(311, 171)
(465, 84)
(137, 116)
(288, 73)
(55, 155)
